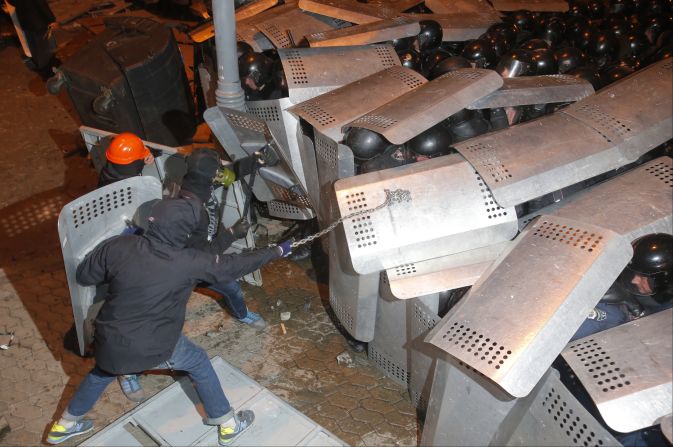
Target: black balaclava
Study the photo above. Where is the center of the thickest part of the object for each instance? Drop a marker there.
(202, 165)
(172, 221)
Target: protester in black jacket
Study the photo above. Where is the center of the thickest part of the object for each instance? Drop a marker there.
(37, 21)
(150, 279)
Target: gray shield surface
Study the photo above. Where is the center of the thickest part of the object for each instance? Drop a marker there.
(286, 29)
(416, 111)
(531, 5)
(242, 134)
(460, 6)
(527, 90)
(667, 427)
(328, 112)
(627, 371)
(465, 409)
(313, 71)
(379, 31)
(523, 310)
(449, 272)
(89, 220)
(358, 12)
(459, 26)
(450, 211)
(595, 135)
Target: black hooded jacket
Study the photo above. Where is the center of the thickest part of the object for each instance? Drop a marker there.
(150, 279)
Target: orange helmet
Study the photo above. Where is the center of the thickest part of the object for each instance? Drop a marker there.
(126, 148)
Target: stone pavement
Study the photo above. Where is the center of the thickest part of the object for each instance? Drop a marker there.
(41, 170)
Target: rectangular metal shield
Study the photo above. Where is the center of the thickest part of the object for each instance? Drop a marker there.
(460, 6)
(633, 204)
(328, 112)
(358, 12)
(449, 210)
(531, 5)
(459, 26)
(379, 31)
(313, 71)
(523, 310)
(592, 136)
(287, 29)
(449, 272)
(627, 371)
(89, 220)
(527, 90)
(416, 111)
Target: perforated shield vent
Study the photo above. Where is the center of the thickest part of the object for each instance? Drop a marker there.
(313, 109)
(363, 229)
(483, 348)
(266, 113)
(563, 234)
(342, 313)
(382, 122)
(101, 205)
(562, 79)
(246, 123)
(287, 210)
(493, 210)
(297, 73)
(662, 171)
(410, 79)
(326, 150)
(283, 194)
(279, 38)
(568, 421)
(463, 74)
(487, 160)
(424, 320)
(609, 127)
(405, 269)
(604, 371)
(386, 56)
(387, 365)
(317, 36)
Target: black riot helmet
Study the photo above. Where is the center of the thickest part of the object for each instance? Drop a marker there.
(596, 8)
(431, 34)
(584, 36)
(431, 58)
(499, 43)
(404, 43)
(617, 24)
(432, 141)
(651, 268)
(654, 25)
(534, 44)
(569, 58)
(622, 7)
(614, 73)
(480, 53)
(467, 124)
(365, 144)
(507, 31)
(448, 65)
(577, 9)
(279, 79)
(544, 62)
(255, 70)
(410, 59)
(633, 44)
(552, 30)
(524, 20)
(604, 48)
(242, 48)
(515, 63)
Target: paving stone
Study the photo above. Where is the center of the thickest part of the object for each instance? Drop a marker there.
(398, 419)
(354, 391)
(380, 406)
(18, 436)
(25, 410)
(342, 401)
(366, 416)
(350, 425)
(365, 381)
(374, 439)
(332, 411)
(313, 365)
(385, 394)
(47, 377)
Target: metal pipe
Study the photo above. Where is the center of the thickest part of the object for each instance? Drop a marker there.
(229, 92)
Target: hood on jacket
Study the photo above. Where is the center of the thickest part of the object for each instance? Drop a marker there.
(202, 166)
(172, 221)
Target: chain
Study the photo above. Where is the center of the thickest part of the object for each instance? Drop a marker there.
(392, 197)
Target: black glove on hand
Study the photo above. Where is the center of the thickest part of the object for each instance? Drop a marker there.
(240, 228)
(285, 248)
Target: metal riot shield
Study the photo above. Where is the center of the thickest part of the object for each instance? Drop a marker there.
(667, 427)
(460, 6)
(87, 221)
(450, 211)
(460, 26)
(286, 29)
(527, 90)
(416, 111)
(242, 134)
(531, 5)
(358, 12)
(594, 135)
(206, 30)
(373, 32)
(466, 409)
(627, 371)
(449, 272)
(521, 313)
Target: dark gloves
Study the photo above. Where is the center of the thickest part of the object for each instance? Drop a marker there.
(240, 228)
(285, 248)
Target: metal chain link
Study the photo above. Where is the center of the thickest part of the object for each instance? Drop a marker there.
(392, 197)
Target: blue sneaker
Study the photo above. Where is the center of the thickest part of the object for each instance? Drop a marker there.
(243, 420)
(131, 388)
(253, 319)
(59, 433)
